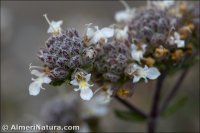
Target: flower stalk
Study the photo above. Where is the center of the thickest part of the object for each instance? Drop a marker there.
(130, 106)
(155, 104)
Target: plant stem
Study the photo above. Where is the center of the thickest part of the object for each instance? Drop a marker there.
(154, 109)
(131, 107)
(173, 91)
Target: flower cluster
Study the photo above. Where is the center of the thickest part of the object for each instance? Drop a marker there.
(143, 44)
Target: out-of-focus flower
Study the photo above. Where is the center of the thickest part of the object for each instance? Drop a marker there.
(139, 72)
(121, 34)
(36, 85)
(149, 61)
(137, 51)
(105, 94)
(54, 26)
(61, 110)
(161, 52)
(82, 80)
(189, 49)
(163, 4)
(95, 107)
(96, 35)
(177, 55)
(125, 15)
(175, 39)
(185, 31)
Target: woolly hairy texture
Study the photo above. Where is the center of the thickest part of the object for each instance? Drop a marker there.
(152, 26)
(112, 60)
(63, 52)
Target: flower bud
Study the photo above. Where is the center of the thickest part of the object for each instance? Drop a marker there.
(177, 55)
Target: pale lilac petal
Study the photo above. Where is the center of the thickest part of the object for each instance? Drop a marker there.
(153, 73)
(74, 82)
(133, 47)
(144, 47)
(135, 67)
(88, 76)
(100, 110)
(121, 34)
(46, 80)
(55, 25)
(90, 32)
(122, 16)
(97, 36)
(137, 55)
(136, 79)
(86, 93)
(34, 88)
(108, 32)
(180, 43)
(177, 36)
(103, 97)
(76, 89)
(36, 73)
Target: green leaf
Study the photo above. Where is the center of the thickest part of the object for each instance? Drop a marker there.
(171, 109)
(129, 116)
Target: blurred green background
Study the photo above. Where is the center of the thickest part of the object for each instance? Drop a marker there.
(24, 31)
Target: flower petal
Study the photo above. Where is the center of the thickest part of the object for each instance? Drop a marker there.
(180, 43)
(122, 16)
(86, 93)
(97, 36)
(36, 73)
(46, 80)
(88, 76)
(152, 73)
(135, 67)
(137, 55)
(34, 88)
(103, 97)
(108, 32)
(76, 89)
(176, 35)
(133, 47)
(90, 32)
(74, 82)
(136, 79)
(55, 25)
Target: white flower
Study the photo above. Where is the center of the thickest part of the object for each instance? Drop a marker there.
(176, 40)
(105, 94)
(163, 4)
(36, 85)
(125, 15)
(84, 87)
(54, 26)
(95, 107)
(139, 72)
(95, 35)
(121, 34)
(137, 51)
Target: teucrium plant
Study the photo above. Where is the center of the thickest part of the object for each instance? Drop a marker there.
(145, 44)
